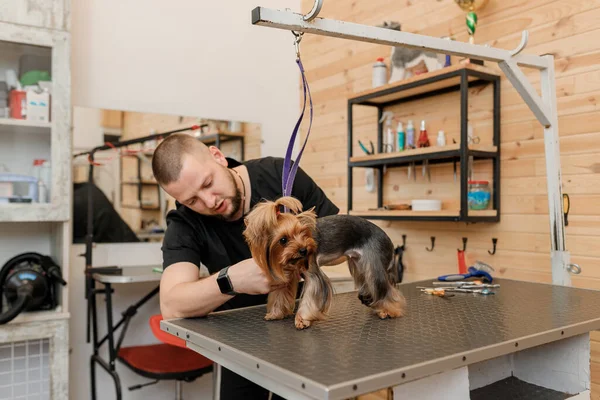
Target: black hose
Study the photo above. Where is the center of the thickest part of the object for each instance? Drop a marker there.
(20, 304)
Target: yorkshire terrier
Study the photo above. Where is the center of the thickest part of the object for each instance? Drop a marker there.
(286, 245)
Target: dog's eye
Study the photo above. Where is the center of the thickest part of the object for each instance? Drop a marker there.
(283, 241)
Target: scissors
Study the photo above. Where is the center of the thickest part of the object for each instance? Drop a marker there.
(364, 148)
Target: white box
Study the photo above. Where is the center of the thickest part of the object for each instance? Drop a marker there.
(38, 106)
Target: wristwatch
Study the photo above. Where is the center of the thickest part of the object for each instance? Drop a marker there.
(224, 282)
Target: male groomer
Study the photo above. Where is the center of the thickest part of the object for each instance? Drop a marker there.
(213, 194)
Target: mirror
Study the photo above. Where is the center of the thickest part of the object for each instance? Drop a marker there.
(128, 204)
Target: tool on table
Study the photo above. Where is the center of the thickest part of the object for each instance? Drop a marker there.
(463, 290)
(478, 270)
(364, 148)
(465, 284)
(435, 292)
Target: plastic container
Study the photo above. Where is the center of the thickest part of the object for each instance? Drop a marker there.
(379, 73)
(479, 195)
(426, 205)
(441, 139)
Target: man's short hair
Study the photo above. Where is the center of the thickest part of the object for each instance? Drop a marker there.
(168, 156)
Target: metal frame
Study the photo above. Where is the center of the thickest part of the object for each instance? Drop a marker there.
(544, 108)
(444, 156)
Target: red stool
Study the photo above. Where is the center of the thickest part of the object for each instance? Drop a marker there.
(170, 360)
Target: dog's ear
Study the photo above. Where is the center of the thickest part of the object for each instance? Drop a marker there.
(308, 218)
(260, 222)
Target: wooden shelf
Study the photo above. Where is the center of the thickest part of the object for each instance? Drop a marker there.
(221, 136)
(24, 126)
(448, 215)
(39, 316)
(434, 154)
(32, 212)
(149, 183)
(429, 83)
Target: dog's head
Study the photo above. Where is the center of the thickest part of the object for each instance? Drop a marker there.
(281, 242)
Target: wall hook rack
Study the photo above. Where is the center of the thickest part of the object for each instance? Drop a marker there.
(432, 244)
(464, 244)
(494, 242)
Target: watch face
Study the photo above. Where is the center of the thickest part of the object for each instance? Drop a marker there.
(224, 285)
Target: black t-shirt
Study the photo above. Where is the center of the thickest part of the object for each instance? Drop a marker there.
(196, 238)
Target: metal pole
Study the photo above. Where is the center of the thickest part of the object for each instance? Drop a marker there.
(560, 258)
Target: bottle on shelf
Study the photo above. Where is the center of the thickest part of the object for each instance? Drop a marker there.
(389, 142)
(379, 73)
(410, 135)
(441, 138)
(401, 136)
(423, 139)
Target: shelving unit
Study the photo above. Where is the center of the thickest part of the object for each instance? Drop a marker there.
(450, 79)
(222, 137)
(43, 227)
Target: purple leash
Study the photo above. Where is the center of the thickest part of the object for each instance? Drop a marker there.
(289, 171)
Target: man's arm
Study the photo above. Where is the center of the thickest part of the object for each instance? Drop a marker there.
(183, 294)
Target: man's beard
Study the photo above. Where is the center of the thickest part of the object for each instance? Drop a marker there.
(236, 199)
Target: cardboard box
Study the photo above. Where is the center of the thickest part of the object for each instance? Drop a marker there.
(38, 106)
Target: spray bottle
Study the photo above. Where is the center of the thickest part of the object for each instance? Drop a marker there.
(410, 135)
(388, 142)
(401, 136)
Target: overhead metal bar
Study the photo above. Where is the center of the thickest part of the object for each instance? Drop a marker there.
(372, 34)
(543, 107)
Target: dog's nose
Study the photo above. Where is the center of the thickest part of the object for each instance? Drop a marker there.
(302, 252)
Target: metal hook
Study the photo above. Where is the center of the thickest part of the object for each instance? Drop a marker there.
(494, 241)
(403, 240)
(464, 244)
(574, 269)
(521, 46)
(432, 244)
(314, 12)
(298, 38)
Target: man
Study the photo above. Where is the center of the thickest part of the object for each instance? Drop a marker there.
(213, 194)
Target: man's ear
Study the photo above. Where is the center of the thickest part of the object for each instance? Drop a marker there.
(218, 155)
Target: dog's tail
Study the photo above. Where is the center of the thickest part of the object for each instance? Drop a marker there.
(317, 291)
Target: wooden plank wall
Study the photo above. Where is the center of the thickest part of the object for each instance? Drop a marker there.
(569, 30)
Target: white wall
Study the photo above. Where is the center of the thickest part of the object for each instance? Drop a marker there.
(184, 57)
(187, 57)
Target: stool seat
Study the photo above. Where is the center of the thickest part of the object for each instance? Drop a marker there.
(165, 361)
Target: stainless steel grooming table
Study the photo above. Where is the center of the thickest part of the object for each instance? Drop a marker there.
(490, 338)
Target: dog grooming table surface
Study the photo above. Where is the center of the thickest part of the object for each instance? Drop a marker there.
(354, 352)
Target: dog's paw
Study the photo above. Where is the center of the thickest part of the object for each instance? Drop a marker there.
(301, 323)
(390, 313)
(274, 316)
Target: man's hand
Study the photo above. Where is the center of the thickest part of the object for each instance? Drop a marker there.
(247, 277)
